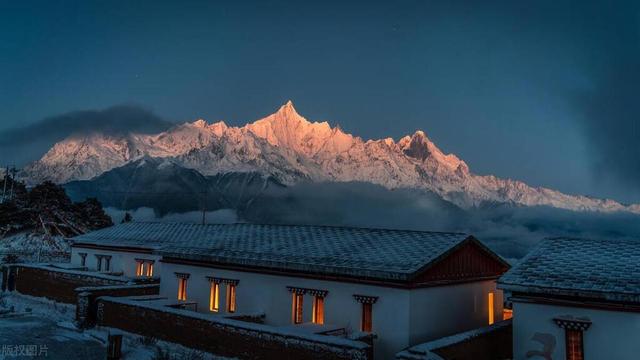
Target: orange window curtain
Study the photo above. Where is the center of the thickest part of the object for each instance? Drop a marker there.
(574, 344)
(318, 310)
(231, 298)
(491, 307)
(182, 289)
(139, 268)
(297, 308)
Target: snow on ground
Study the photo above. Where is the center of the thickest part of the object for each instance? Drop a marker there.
(35, 247)
(32, 328)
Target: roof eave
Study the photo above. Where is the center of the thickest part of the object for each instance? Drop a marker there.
(576, 293)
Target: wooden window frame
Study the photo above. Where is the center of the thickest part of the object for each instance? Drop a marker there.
(297, 308)
(144, 267)
(107, 266)
(366, 312)
(83, 259)
(366, 318)
(139, 267)
(98, 263)
(231, 298)
(318, 310)
(182, 289)
(572, 336)
(182, 285)
(214, 297)
(574, 329)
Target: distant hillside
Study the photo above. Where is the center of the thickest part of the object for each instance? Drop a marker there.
(169, 188)
(46, 209)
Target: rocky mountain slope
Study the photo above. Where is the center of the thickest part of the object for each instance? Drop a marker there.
(170, 188)
(291, 149)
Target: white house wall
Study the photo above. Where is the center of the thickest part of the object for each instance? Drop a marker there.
(612, 334)
(446, 310)
(401, 317)
(268, 294)
(120, 261)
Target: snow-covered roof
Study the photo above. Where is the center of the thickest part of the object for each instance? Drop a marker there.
(586, 268)
(361, 252)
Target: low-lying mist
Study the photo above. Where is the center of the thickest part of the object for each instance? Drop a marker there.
(509, 230)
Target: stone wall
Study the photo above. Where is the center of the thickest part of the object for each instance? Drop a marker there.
(494, 342)
(223, 336)
(86, 308)
(53, 283)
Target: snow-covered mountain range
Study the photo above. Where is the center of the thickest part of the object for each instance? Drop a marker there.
(291, 149)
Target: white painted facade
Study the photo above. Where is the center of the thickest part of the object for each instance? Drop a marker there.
(401, 317)
(612, 334)
(121, 261)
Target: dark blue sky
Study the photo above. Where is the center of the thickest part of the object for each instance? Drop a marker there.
(509, 86)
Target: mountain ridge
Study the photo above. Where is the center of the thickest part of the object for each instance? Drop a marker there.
(292, 149)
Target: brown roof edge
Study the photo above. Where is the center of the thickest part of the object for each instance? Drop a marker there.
(488, 250)
(135, 249)
(468, 239)
(326, 277)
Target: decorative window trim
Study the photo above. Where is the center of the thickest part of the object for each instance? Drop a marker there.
(145, 261)
(570, 323)
(218, 280)
(365, 299)
(182, 275)
(313, 292)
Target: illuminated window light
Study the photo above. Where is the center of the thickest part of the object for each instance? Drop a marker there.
(182, 289)
(318, 310)
(296, 308)
(507, 314)
(574, 345)
(231, 298)
(491, 305)
(139, 266)
(214, 301)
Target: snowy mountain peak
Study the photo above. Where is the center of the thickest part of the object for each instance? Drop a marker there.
(291, 149)
(200, 123)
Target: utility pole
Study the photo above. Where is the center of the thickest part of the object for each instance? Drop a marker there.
(4, 190)
(13, 179)
(204, 205)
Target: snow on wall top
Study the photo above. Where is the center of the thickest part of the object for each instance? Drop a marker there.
(370, 253)
(587, 268)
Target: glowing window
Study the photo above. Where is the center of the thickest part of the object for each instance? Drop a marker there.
(149, 269)
(507, 314)
(214, 301)
(182, 289)
(139, 268)
(366, 324)
(318, 310)
(231, 298)
(574, 344)
(491, 304)
(296, 310)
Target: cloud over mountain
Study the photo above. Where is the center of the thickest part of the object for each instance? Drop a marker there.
(21, 145)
